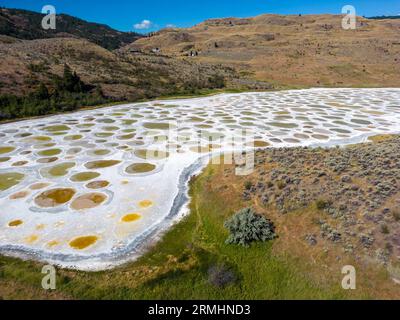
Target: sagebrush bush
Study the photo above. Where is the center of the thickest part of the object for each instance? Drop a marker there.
(396, 214)
(322, 204)
(385, 229)
(248, 185)
(247, 226)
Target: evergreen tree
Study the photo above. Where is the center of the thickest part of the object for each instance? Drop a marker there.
(42, 93)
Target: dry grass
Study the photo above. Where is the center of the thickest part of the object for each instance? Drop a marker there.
(323, 262)
(311, 50)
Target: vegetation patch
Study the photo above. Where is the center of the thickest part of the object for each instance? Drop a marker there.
(246, 226)
(192, 261)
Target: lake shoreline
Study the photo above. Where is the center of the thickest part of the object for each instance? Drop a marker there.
(104, 259)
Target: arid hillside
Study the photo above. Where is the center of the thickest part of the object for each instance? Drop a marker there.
(24, 64)
(27, 25)
(311, 50)
(265, 52)
(35, 62)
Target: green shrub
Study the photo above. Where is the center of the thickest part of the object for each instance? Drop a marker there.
(216, 82)
(248, 185)
(69, 94)
(41, 67)
(385, 229)
(281, 184)
(322, 204)
(396, 214)
(247, 226)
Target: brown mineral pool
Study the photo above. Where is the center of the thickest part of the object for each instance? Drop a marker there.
(258, 144)
(57, 128)
(131, 217)
(360, 121)
(126, 136)
(128, 122)
(19, 163)
(103, 134)
(84, 176)
(200, 149)
(74, 151)
(15, 223)
(4, 150)
(19, 195)
(286, 125)
(320, 136)
(159, 139)
(158, 125)
(100, 164)
(55, 197)
(196, 119)
(81, 243)
(88, 201)
(47, 160)
(73, 137)
(11, 179)
(23, 135)
(85, 125)
(4, 159)
(140, 168)
(101, 152)
(38, 186)
(151, 154)
(145, 203)
(97, 184)
(44, 145)
(105, 120)
(111, 128)
(58, 170)
(49, 152)
(40, 138)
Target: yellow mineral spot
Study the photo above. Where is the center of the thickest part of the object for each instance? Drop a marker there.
(15, 223)
(31, 239)
(124, 182)
(40, 226)
(81, 243)
(131, 217)
(53, 243)
(145, 203)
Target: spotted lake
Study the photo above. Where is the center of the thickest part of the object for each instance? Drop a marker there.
(89, 190)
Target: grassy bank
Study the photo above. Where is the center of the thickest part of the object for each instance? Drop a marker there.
(178, 266)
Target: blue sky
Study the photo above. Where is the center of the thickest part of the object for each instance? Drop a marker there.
(150, 15)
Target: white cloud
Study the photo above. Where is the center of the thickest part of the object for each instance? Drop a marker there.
(170, 25)
(145, 24)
